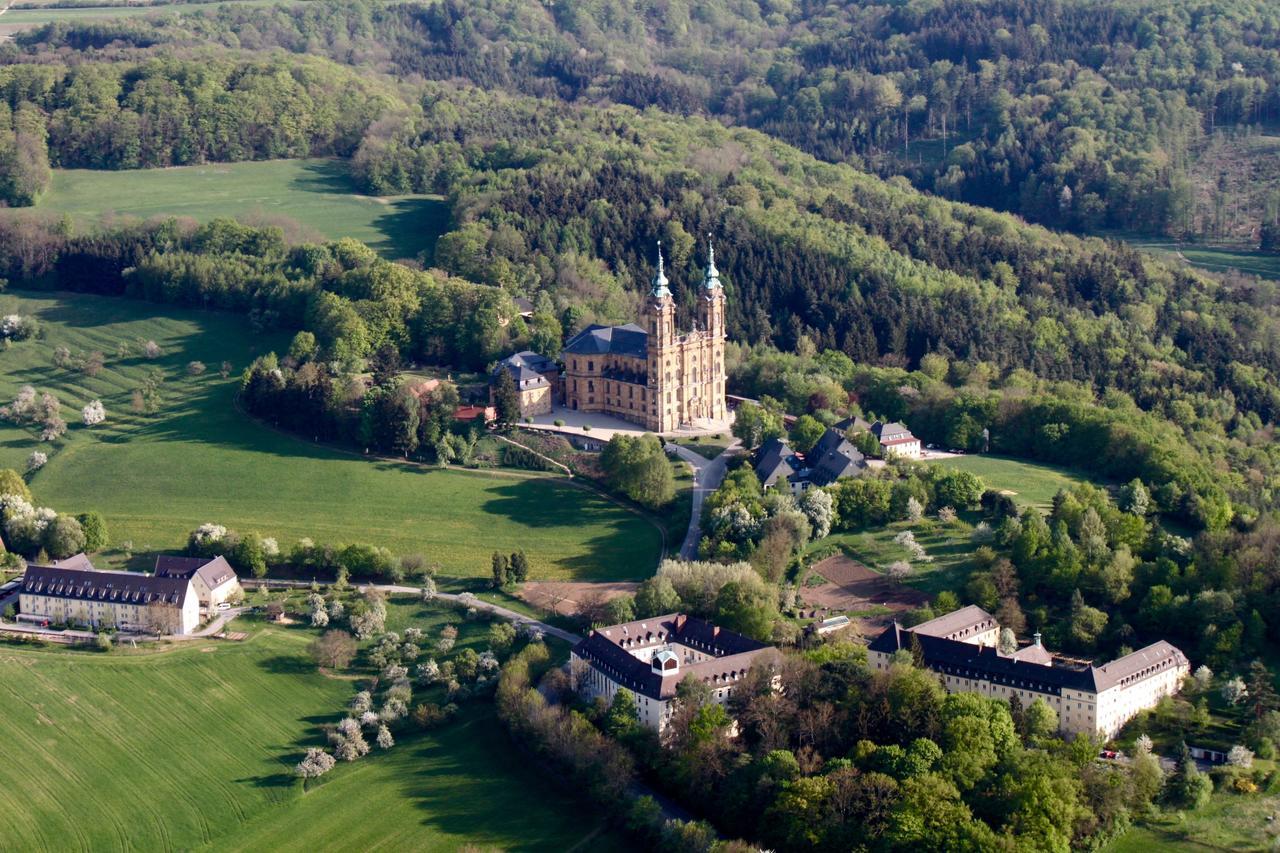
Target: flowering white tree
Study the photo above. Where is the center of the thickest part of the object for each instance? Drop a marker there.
(819, 508)
(915, 510)
(209, 534)
(907, 540)
(319, 618)
(151, 349)
(1234, 691)
(53, 429)
(947, 514)
(385, 740)
(428, 589)
(488, 662)
(270, 547)
(982, 534)
(94, 413)
(427, 673)
(351, 748)
(1240, 756)
(361, 702)
(1143, 744)
(395, 672)
(1203, 678)
(36, 460)
(348, 727)
(317, 763)
(369, 719)
(898, 571)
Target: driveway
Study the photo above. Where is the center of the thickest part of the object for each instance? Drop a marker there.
(708, 474)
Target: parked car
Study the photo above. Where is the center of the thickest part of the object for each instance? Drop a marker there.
(1109, 754)
(224, 605)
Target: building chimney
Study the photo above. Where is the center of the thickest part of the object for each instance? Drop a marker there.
(1036, 638)
(680, 617)
(715, 631)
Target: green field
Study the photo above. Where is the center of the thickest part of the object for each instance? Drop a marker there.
(50, 15)
(1032, 483)
(198, 460)
(317, 194)
(1212, 258)
(1229, 822)
(193, 748)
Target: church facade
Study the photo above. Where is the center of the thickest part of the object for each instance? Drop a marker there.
(654, 375)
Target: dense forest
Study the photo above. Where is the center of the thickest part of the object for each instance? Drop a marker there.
(1072, 113)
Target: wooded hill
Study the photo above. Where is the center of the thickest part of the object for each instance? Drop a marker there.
(1070, 112)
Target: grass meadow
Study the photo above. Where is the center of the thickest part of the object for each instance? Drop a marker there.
(193, 747)
(1032, 483)
(317, 194)
(157, 477)
(1229, 822)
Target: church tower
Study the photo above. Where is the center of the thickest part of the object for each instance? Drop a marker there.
(711, 307)
(711, 319)
(661, 326)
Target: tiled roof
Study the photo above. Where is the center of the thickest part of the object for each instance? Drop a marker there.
(966, 660)
(618, 340)
(527, 369)
(771, 462)
(1138, 665)
(97, 585)
(893, 433)
(214, 572)
(733, 654)
(969, 617)
(832, 458)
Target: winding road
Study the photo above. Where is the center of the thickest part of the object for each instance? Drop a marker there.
(707, 476)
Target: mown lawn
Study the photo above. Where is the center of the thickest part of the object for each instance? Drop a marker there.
(157, 477)
(193, 748)
(1032, 483)
(317, 194)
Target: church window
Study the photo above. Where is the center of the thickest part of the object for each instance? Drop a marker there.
(591, 365)
(591, 386)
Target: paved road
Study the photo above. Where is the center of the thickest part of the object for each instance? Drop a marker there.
(707, 476)
(497, 610)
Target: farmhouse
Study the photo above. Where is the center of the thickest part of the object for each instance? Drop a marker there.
(1094, 700)
(831, 459)
(655, 376)
(650, 657)
(896, 440)
(214, 580)
(77, 593)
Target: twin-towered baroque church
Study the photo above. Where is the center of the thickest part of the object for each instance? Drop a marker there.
(655, 376)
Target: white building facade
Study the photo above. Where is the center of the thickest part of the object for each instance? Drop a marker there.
(1094, 700)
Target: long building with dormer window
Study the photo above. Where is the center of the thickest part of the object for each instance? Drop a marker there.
(650, 657)
(961, 647)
